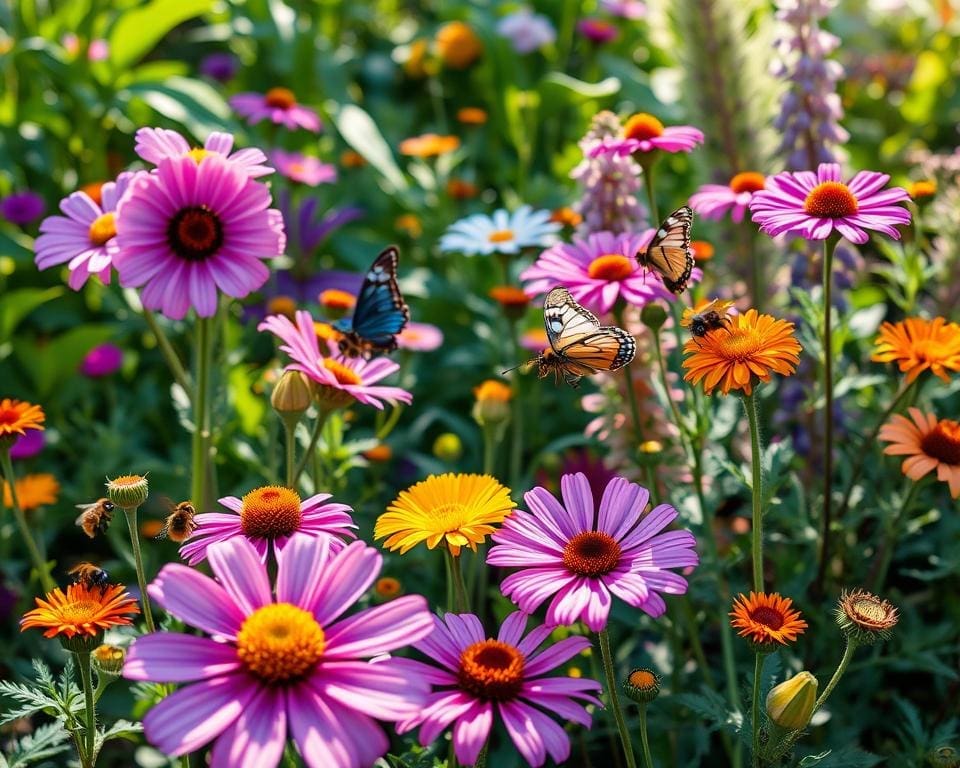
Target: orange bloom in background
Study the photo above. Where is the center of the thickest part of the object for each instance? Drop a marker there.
(415, 64)
(509, 296)
(472, 116)
(928, 443)
(917, 345)
(17, 416)
(493, 390)
(33, 491)
(764, 618)
(702, 250)
(94, 190)
(566, 216)
(351, 159)
(458, 45)
(461, 189)
(282, 305)
(82, 610)
(409, 223)
(337, 300)
(429, 145)
(381, 452)
(922, 188)
(749, 345)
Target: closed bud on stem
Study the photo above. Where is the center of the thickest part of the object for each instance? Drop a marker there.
(128, 491)
(642, 685)
(292, 395)
(448, 447)
(108, 661)
(790, 704)
(653, 316)
(492, 406)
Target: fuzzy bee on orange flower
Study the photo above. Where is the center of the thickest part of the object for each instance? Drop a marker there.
(179, 525)
(708, 316)
(95, 518)
(88, 574)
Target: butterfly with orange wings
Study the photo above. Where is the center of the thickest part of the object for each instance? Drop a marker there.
(669, 253)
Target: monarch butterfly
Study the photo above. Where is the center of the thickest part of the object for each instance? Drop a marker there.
(708, 317)
(669, 253)
(380, 313)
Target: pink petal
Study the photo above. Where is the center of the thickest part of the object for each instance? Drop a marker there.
(196, 600)
(381, 629)
(258, 737)
(238, 567)
(172, 657)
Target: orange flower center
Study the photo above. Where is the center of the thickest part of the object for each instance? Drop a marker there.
(591, 553)
(611, 266)
(509, 296)
(491, 670)
(270, 512)
(387, 587)
(643, 126)
(126, 481)
(831, 200)
(769, 617)
(280, 642)
(748, 181)
(280, 98)
(326, 332)
(501, 236)
(642, 678)
(740, 345)
(9, 416)
(103, 229)
(80, 612)
(943, 442)
(194, 233)
(343, 374)
(335, 299)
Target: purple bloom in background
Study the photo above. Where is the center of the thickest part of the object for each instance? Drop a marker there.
(278, 105)
(103, 360)
(527, 31)
(28, 445)
(303, 168)
(219, 66)
(625, 9)
(597, 30)
(22, 208)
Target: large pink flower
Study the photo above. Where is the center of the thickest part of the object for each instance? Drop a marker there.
(582, 561)
(352, 377)
(482, 677)
(283, 663)
(712, 201)
(813, 205)
(278, 105)
(191, 229)
(644, 133)
(154, 144)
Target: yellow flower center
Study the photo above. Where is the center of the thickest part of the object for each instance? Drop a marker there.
(343, 374)
(740, 344)
(769, 617)
(280, 642)
(198, 153)
(449, 517)
(501, 236)
(80, 612)
(642, 126)
(591, 553)
(611, 266)
(270, 512)
(103, 228)
(126, 481)
(491, 670)
(943, 442)
(748, 181)
(831, 200)
(872, 610)
(280, 98)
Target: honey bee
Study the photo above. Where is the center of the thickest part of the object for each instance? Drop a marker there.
(95, 518)
(709, 317)
(88, 574)
(179, 524)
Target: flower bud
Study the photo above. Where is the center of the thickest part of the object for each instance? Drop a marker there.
(653, 316)
(128, 491)
(944, 757)
(387, 588)
(511, 299)
(108, 661)
(448, 447)
(492, 407)
(293, 393)
(790, 704)
(642, 685)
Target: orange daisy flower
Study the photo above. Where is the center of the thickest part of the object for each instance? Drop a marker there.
(928, 443)
(748, 345)
(428, 145)
(17, 416)
(33, 491)
(766, 618)
(83, 610)
(917, 345)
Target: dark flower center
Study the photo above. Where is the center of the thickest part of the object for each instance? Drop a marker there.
(591, 553)
(831, 200)
(943, 442)
(769, 617)
(195, 233)
(491, 670)
(280, 98)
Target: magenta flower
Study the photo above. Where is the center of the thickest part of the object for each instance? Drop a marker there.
(27, 445)
(155, 144)
(102, 360)
(220, 66)
(188, 230)
(420, 337)
(278, 105)
(598, 31)
(271, 515)
(813, 205)
(645, 133)
(598, 271)
(303, 168)
(712, 201)
(86, 236)
(581, 561)
(482, 676)
(625, 9)
(22, 208)
(283, 663)
(341, 379)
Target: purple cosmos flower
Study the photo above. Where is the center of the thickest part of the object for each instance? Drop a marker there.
(341, 378)
(102, 360)
(303, 168)
(22, 208)
(420, 337)
(219, 66)
(155, 144)
(645, 133)
(481, 676)
(598, 31)
(712, 201)
(625, 9)
(86, 236)
(271, 515)
(28, 445)
(280, 663)
(188, 230)
(503, 232)
(813, 205)
(564, 551)
(527, 31)
(278, 105)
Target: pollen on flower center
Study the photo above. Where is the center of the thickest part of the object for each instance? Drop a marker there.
(642, 678)
(79, 612)
(642, 126)
(103, 228)
(280, 642)
(611, 266)
(198, 153)
(943, 442)
(501, 236)
(738, 344)
(195, 233)
(491, 670)
(280, 98)
(270, 511)
(831, 200)
(448, 517)
(343, 374)
(591, 553)
(748, 181)
(769, 617)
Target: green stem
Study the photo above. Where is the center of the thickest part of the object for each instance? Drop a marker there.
(841, 668)
(691, 622)
(662, 367)
(829, 245)
(647, 759)
(39, 563)
(889, 542)
(170, 355)
(90, 723)
(201, 414)
(750, 404)
(755, 708)
(615, 699)
(290, 438)
(628, 382)
(131, 516)
(317, 429)
(482, 757)
(516, 414)
(387, 427)
(460, 600)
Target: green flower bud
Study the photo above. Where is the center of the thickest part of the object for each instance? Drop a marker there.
(128, 491)
(293, 394)
(642, 685)
(653, 316)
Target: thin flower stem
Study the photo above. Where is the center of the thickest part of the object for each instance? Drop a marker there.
(615, 698)
(750, 404)
(662, 367)
(170, 355)
(516, 427)
(885, 556)
(829, 245)
(290, 438)
(201, 414)
(39, 563)
(317, 429)
(755, 708)
(841, 668)
(387, 427)
(87, 757)
(461, 602)
(647, 759)
(631, 392)
(647, 166)
(131, 516)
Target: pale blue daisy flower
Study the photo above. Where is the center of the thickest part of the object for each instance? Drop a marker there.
(503, 232)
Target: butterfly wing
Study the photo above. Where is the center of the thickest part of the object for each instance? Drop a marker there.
(380, 313)
(669, 253)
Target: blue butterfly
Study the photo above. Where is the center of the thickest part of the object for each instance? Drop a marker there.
(380, 313)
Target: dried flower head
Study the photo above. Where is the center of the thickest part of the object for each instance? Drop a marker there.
(864, 617)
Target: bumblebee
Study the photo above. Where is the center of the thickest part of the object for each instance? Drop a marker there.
(710, 317)
(95, 518)
(89, 575)
(179, 524)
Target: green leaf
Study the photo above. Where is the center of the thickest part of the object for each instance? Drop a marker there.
(712, 707)
(52, 363)
(360, 131)
(194, 104)
(17, 304)
(607, 87)
(46, 741)
(251, 408)
(139, 29)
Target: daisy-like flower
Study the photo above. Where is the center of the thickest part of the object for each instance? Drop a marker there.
(155, 144)
(81, 610)
(18, 416)
(767, 619)
(278, 105)
(527, 31)
(813, 205)
(191, 229)
(919, 345)
(429, 145)
(582, 561)
(342, 379)
(746, 348)
(303, 168)
(712, 201)
(33, 491)
(928, 443)
(269, 517)
(503, 232)
(455, 510)
(85, 236)
(283, 663)
(480, 677)
(598, 270)
(865, 617)
(644, 133)
(420, 337)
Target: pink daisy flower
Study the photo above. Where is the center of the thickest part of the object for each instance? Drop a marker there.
(303, 168)
(482, 676)
(188, 230)
(712, 201)
(154, 144)
(813, 205)
(645, 133)
(269, 515)
(342, 379)
(597, 271)
(580, 560)
(420, 337)
(278, 105)
(86, 236)
(280, 663)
